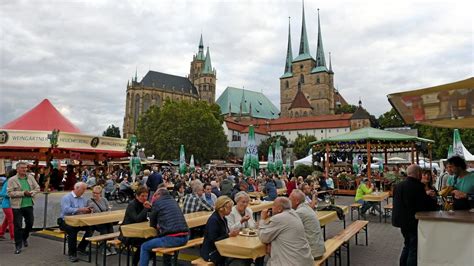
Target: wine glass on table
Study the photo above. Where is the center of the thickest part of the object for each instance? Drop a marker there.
(450, 203)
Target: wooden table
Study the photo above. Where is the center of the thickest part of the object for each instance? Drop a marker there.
(260, 194)
(377, 197)
(143, 229)
(445, 238)
(281, 191)
(95, 218)
(262, 206)
(241, 247)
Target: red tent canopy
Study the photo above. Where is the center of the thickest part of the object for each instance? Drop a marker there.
(43, 117)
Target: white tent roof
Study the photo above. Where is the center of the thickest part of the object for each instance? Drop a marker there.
(308, 160)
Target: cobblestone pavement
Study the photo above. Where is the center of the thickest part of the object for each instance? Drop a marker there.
(385, 243)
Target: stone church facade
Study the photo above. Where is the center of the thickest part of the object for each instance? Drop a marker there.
(307, 84)
(156, 88)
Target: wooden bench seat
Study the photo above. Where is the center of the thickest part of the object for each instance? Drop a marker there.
(352, 230)
(387, 211)
(105, 238)
(355, 207)
(202, 262)
(174, 251)
(332, 246)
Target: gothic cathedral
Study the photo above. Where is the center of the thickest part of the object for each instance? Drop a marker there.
(307, 85)
(157, 87)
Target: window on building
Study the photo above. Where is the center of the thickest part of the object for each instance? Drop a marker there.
(287, 84)
(136, 113)
(318, 80)
(322, 131)
(301, 66)
(302, 79)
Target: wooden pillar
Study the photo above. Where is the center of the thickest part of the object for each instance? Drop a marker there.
(412, 152)
(326, 165)
(385, 155)
(369, 161)
(417, 152)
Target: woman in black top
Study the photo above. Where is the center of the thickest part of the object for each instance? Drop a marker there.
(136, 212)
(216, 229)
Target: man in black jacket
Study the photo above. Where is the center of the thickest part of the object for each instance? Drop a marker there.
(168, 219)
(409, 198)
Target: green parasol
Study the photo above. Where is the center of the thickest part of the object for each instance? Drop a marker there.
(182, 160)
(251, 163)
(192, 167)
(270, 164)
(278, 158)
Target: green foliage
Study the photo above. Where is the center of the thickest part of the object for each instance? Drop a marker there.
(263, 147)
(346, 109)
(197, 125)
(443, 137)
(303, 170)
(390, 119)
(301, 145)
(112, 131)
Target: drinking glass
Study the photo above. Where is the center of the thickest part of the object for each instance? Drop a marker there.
(450, 202)
(327, 199)
(110, 207)
(439, 200)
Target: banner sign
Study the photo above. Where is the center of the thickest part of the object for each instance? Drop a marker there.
(41, 139)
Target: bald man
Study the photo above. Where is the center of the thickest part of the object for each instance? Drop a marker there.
(409, 198)
(285, 232)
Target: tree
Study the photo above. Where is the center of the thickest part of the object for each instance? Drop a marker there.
(301, 145)
(112, 131)
(390, 119)
(443, 137)
(303, 170)
(196, 125)
(346, 109)
(263, 147)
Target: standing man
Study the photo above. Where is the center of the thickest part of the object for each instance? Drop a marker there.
(285, 232)
(21, 190)
(153, 181)
(312, 228)
(409, 198)
(462, 181)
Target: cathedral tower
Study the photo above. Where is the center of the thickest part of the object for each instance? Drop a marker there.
(202, 75)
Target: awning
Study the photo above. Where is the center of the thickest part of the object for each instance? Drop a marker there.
(449, 105)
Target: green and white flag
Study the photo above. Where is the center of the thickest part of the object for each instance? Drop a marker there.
(192, 167)
(450, 151)
(182, 160)
(278, 158)
(457, 144)
(270, 164)
(251, 163)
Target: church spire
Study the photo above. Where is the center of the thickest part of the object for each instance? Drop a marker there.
(289, 54)
(320, 60)
(200, 55)
(304, 44)
(207, 63)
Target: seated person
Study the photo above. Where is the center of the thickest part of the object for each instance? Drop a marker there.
(109, 187)
(71, 204)
(136, 212)
(99, 204)
(169, 221)
(330, 183)
(217, 229)
(270, 189)
(242, 186)
(253, 187)
(365, 188)
(126, 187)
(241, 216)
(179, 192)
(285, 232)
(193, 202)
(208, 196)
(311, 195)
(215, 188)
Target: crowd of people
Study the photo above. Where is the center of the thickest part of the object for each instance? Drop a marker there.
(291, 228)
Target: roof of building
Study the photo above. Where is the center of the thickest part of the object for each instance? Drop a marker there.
(168, 82)
(253, 103)
(43, 117)
(300, 101)
(360, 113)
(291, 123)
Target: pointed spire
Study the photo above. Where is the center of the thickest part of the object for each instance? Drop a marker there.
(320, 60)
(207, 63)
(360, 102)
(200, 55)
(289, 54)
(136, 77)
(330, 64)
(304, 44)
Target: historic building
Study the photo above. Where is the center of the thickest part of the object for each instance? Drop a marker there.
(157, 87)
(307, 84)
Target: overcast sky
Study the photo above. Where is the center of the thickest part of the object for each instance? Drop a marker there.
(80, 54)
